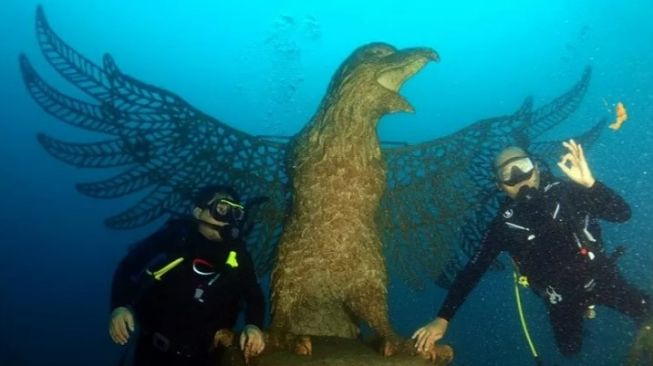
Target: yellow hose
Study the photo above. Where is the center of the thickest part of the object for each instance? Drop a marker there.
(522, 318)
(158, 274)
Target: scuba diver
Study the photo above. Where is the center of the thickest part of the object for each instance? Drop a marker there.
(550, 230)
(184, 286)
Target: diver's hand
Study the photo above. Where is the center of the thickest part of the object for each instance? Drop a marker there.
(574, 165)
(432, 332)
(121, 323)
(251, 342)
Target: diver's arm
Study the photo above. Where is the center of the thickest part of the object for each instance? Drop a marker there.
(124, 285)
(592, 196)
(465, 281)
(255, 308)
(601, 201)
(252, 293)
(252, 342)
(124, 288)
(469, 277)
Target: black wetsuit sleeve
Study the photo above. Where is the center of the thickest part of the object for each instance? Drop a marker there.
(125, 286)
(602, 202)
(252, 293)
(469, 277)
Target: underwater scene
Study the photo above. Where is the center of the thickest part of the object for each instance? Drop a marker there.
(326, 182)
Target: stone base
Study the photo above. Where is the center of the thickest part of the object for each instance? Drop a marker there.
(332, 351)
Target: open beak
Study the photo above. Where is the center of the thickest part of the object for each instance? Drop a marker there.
(406, 63)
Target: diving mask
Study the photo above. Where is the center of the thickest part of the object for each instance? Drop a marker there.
(515, 170)
(225, 210)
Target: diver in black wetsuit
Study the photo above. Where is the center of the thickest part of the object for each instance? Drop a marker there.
(184, 286)
(550, 230)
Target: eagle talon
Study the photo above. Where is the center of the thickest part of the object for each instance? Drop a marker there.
(303, 346)
(441, 355)
(224, 338)
(389, 347)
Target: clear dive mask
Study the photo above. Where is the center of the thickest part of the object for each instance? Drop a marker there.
(515, 170)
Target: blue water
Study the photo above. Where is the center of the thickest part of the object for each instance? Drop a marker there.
(263, 69)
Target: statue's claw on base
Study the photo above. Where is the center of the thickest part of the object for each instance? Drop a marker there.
(441, 355)
(389, 346)
(224, 338)
(303, 346)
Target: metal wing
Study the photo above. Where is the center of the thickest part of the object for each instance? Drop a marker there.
(441, 195)
(159, 143)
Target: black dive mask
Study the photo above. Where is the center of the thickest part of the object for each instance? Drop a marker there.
(228, 211)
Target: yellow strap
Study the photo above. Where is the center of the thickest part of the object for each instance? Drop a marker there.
(232, 204)
(521, 316)
(158, 274)
(231, 260)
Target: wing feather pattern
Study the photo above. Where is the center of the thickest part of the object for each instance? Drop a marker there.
(166, 148)
(441, 195)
